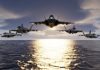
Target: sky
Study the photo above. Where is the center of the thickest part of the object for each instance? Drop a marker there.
(84, 13)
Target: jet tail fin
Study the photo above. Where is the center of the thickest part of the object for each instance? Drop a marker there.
(16, 32)
(30, 27)
(74, 27)
(83, 33)
(9, 31)
(90, 32)
(22, 25)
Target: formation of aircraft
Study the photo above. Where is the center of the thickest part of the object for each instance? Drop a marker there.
(72, 30)
(10, 34)
(50, 22)
(90, 35)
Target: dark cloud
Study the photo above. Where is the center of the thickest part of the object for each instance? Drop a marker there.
(36, 9)
(68, 8)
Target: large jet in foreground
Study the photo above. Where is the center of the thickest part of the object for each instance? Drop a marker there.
(22, 29)
(51, 22)
(72, 30)
(90, 35)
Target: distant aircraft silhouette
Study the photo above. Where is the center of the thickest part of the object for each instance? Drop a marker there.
(90, 35)
(22, 29)
(9, 34)
(51, 22)
(72, 30)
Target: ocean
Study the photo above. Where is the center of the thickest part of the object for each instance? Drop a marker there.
(50, 54)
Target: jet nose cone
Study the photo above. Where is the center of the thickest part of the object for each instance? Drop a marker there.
(51, 17)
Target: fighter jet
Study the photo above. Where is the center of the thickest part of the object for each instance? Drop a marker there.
(51, 22)
(90, 35)
(22, 29)
(72, 30)
(9, 34)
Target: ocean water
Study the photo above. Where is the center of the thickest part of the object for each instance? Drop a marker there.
(49, 54)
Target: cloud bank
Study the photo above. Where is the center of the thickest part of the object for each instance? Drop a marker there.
(93, 7)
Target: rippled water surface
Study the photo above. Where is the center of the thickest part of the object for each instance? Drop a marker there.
(49, 54)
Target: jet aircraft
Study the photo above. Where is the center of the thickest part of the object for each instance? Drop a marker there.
(90, 35)
(72, 30)
(51, 22)
(22, 29)
(9, 34)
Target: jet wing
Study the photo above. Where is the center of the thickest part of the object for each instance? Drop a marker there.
(13, 30)
(79, 30)
(81, 35)
(34, 30)
(65, 23)
(98, 35)
(38, 22)
(61, 30)
(64, 30)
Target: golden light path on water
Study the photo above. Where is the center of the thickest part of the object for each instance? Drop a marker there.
(51, 54)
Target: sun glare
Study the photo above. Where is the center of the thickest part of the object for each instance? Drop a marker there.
(52, 50)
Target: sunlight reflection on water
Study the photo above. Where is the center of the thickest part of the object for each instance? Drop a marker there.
(56, 54)
(50, 53)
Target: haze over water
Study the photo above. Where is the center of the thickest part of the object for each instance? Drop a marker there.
(49, 54)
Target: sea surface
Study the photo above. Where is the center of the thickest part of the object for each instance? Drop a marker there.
(49, 54)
